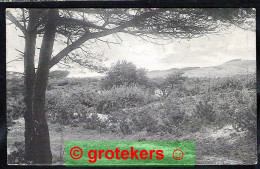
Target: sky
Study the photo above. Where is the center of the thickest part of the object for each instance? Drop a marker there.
(210, 50)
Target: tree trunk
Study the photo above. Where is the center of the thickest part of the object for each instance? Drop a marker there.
(29, 71)
(42, 149)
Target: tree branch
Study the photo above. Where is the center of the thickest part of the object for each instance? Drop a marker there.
(63, 20)
(16, 22)
(17, 59)
(88, 36)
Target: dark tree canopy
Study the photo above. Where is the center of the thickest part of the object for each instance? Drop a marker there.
(78, 29)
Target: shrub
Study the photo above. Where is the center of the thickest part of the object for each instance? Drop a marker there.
(61, 105)
(17, 155)
(194, 124)
(225, 113)
(205, 112)
(174, 121)
(236, 82)
(121, 97)
(124, 73)
(244, 118)
(15, 86)
(143, 121)
(95, 123)
(173, 82)
(15, 109)
(152, 125)
(92, 122)
(114, 128)
(126, 126)
(14, 99)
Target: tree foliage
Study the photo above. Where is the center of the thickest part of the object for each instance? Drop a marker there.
(79, 29)
(170, 83)
(124, 73)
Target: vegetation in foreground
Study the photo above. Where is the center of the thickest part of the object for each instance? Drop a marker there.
(120, 108)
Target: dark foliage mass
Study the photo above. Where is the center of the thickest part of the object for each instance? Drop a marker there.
(15, 100)
(17, 155)
(124, 73)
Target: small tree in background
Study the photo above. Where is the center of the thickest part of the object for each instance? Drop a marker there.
(124, 73)
(172, 81)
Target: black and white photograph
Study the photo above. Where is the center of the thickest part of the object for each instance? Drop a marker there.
(131, 74)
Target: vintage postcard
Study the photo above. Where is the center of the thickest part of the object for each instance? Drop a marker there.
(140, 75)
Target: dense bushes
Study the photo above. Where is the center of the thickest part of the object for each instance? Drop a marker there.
(173, 82)
(236, 82)
(14, 99)
(205, 112)
(15, 109)
(123, 96)
(73, 100)
(124, 73)
(244, 117)
(17, 154)
(211, 105)
(144, 121)
(95, 123)
(193, 103)
(61, 106)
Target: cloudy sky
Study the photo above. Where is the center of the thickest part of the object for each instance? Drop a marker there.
(210, 50)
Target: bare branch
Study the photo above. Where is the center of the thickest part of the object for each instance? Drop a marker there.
(16, 22)
(22, 53)
(108, 42)
(14, 60)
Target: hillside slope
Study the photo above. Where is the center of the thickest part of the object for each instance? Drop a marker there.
(231, 68)
(164, 73)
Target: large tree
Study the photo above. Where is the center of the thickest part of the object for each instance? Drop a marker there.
(79, 28)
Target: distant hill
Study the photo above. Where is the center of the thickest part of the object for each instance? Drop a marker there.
(164, 73)
(161, 73)
(230, 68)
